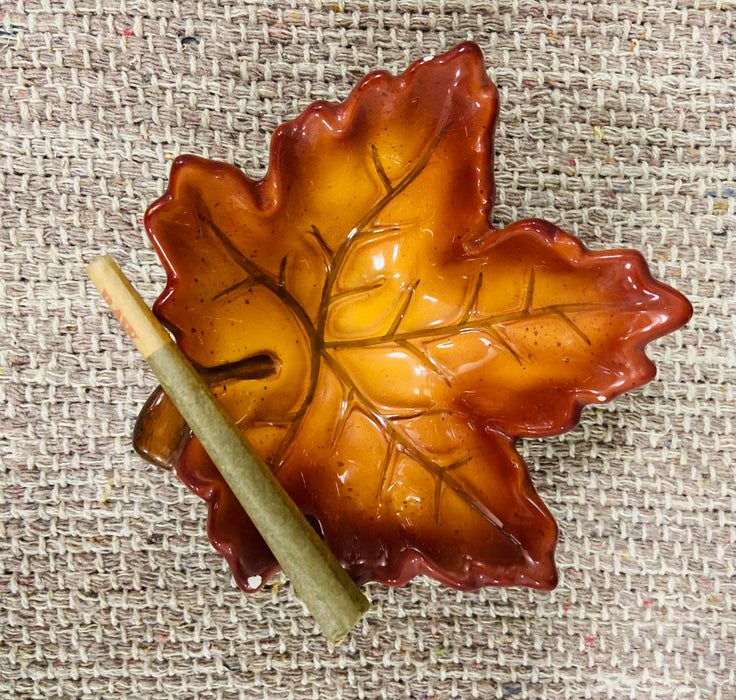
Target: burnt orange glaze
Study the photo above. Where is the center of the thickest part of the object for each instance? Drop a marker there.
(408, 343)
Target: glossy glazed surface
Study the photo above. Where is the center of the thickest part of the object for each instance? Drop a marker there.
(382, 347)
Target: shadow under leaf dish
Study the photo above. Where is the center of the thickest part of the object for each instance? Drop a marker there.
(380, 345)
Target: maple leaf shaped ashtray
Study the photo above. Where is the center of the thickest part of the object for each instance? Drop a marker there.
(380, 345)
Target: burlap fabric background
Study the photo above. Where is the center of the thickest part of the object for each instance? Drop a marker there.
(617, 122)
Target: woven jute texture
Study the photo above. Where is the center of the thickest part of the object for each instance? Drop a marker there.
(617, 122)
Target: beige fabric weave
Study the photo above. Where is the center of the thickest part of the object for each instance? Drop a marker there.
(617, 123)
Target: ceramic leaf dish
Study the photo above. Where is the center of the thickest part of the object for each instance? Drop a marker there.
(380, 345)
